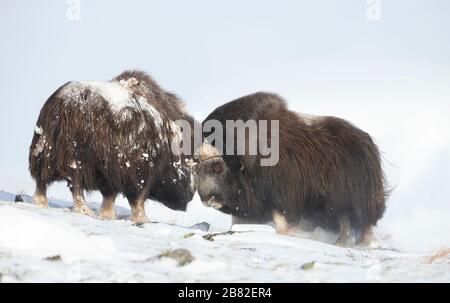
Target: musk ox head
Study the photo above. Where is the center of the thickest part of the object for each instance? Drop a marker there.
(177, 188)
(221, 183)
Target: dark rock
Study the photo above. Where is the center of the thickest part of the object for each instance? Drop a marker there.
(23, 198)
(308, 266)
(210, 237)
(203, 226)
(54, 258)
(181, 255)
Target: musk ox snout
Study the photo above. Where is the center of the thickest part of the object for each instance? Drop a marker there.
(219, 183)
(210, 178)
(213, 202)
(178, 190)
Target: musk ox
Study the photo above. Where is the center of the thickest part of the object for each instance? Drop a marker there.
(114, 137)
(328, 173)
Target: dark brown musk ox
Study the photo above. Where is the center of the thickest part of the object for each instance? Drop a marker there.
(114, 137)
(328, 173)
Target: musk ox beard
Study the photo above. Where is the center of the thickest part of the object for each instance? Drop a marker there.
(329, 172)
(114, 137)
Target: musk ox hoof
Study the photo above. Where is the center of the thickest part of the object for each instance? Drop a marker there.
(141, 219)
(85, 211)
(342, 242)
(284, 231)
(282, 227)
(40, 200)
(344, 239)
(366, 238)
(107, 214)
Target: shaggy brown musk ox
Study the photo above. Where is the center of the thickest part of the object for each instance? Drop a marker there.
(114, 137)
(329, 172)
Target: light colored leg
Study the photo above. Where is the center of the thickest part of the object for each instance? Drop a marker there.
(79, 203)
(138, 212)
(345, 231)
(40, 196)
(281, 224)
(137, 206)
(107, 210)
(366, 237)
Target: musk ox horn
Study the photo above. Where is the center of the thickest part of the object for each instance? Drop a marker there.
(191, 162)
(129, 83)
(207, 151)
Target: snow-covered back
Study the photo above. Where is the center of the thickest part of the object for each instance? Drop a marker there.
(117, 94)
(38, 130)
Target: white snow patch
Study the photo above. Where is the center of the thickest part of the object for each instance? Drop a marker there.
(38, 130)
(117, 251)
(177, 166)
(427, 229)
(308, 119)
(176, 132)
(253, 227)
(40, 236)
(39, 147)
(119, 97)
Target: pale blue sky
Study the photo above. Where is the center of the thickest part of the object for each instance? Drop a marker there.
(324, 56)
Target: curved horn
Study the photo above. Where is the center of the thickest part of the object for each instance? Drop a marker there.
(191, 162)
(207, 151)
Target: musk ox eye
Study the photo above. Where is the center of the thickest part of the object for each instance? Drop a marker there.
(217, 168)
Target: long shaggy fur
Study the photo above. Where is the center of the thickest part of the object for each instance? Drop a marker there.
(92, 138)
(328, 169)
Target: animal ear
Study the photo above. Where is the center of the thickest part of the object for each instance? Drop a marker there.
(217, 167)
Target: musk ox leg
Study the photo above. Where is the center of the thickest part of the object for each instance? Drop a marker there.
(138, 210)
(40, 195)
(282, 226)
(137, 203)
(239, 220)
(79, 203)
(107, 210)
(345, 231)
(366, 237)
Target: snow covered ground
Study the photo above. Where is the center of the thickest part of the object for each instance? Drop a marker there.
(56, 245)
(392, 84)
